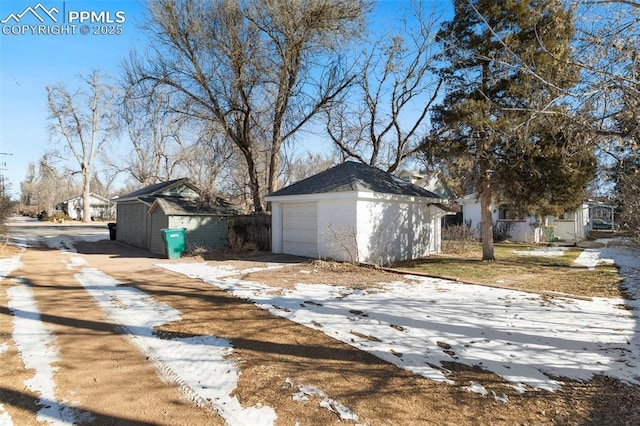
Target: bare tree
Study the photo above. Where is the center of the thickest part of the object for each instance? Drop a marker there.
(84, 121)
(258, 70)
(303, 166)
(206, 159)
(154, 131)
(44, 186)
(383, 121)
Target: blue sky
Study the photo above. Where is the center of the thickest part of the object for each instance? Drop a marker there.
(28, 63)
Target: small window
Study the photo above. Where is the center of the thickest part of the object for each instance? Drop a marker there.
(503, 213)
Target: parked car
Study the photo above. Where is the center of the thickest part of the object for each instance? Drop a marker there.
(600, 224)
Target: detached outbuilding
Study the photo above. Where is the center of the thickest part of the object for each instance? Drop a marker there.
(357, 213)
(142, 214)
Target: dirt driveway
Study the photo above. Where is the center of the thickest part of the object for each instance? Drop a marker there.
(101, 374)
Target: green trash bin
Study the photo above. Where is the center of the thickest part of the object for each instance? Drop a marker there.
(173, 241)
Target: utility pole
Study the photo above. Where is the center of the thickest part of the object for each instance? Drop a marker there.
(2, 187)
(3, 166)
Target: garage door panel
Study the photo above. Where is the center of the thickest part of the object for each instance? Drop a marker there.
(309, 236)
(300, 229)
(309, 207)
(300, 249)
(299, 222)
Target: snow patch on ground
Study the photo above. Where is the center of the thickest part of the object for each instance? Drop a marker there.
(524, 338)
(196, 270)
(304, 392)
(36, 345)
(543, 252)
(198, 364)
(75, 262)
(592, 257)
(8, 265)
(504, 398)
(63, 242)
(477, 388)
(5, 418)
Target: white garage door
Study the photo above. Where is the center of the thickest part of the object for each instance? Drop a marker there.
(300, 229)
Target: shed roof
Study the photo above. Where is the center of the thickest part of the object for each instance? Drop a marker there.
(176, 205)
(156, 189)
(352, 176)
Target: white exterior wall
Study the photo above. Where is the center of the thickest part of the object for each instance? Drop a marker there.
(523, 231)
(564, 229)
(96, 205)
(395, 228)
(276, 227)
(436, 225)
(338, 228)
(471, 212)
(575, 228)
(367, 227)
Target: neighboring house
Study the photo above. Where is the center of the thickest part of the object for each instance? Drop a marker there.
(430, 182)
(358, 213)
(101, 208)
(572, 226)
(174, 204)
(602, 215)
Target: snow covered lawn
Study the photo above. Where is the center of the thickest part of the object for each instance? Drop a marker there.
(527, 339)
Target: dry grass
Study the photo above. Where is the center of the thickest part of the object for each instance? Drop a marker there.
(323, 272)
(8, 250)
(511, 270)
(532, 273)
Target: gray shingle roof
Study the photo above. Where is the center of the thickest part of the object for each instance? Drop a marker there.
(352, 176)
(173, 205)
(150, 191)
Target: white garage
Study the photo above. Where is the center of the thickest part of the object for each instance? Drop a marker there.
(358, 213)
(300, 229)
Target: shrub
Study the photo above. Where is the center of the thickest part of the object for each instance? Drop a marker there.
(502, 231)
(458, 238)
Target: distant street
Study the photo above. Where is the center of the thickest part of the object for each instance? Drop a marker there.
(29, 232)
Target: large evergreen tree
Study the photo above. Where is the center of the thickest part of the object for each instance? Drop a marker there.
(506, 78)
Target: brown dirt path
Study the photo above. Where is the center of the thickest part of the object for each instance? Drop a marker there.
(99, 371)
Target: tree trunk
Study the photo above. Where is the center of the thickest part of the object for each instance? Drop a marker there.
(254, 182)
(86, 195)
(274, 169)
(486, 218)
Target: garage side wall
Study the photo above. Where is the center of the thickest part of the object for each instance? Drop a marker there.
(337, 229)
(159, 221)
(203, 231)
(391, 230)
(132, 223)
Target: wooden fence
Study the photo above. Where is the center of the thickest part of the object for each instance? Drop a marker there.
(250, 230)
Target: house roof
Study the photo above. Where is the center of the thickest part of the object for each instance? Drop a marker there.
(91, 195)
(148, 193)
(352, 176)
(176, 205)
